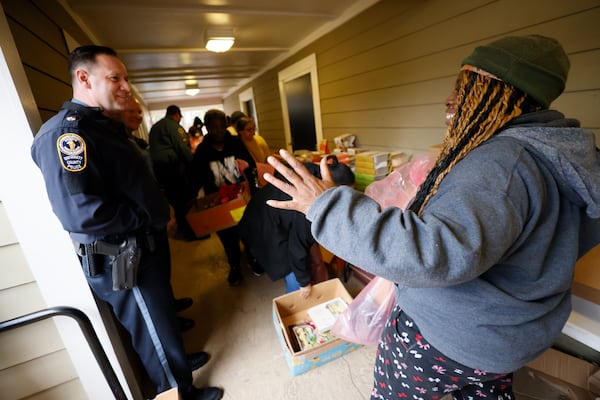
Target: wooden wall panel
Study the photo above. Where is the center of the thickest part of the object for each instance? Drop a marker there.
(36, 55)
(33, 377)
(46, 114)
(20, 300)
(409, 140)
(415, 116)
(30, 17)
(38, 28)
(15, 270)
(385, 74)
(7, 235)
(584, 71)
(49, 92)
(56, 13)
(72, 390)
(393, 40)
(418, 93)
(28, 343)
(428, 68)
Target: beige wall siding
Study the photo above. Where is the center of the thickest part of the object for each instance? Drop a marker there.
(38, 28)
(33, 360)
(384, 75)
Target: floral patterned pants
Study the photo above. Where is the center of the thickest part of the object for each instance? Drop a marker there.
(408, 367)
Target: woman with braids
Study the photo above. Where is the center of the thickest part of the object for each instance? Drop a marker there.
(483, 257)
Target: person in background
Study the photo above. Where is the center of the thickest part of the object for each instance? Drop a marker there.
(256, 145)
(484, 256)
(104, 194)
(215, 164)
(132, 117)
(171, 159)
(280, 240)
(232, 121)
(195, 134)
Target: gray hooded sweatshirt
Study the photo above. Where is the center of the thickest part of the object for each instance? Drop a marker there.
(486, 271)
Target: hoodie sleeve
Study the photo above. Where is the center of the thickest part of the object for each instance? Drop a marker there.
(465, 229)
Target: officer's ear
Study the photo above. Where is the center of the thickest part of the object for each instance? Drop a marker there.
(82, 77)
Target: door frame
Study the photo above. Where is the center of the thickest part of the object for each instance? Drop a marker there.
(245, 96)
(307, 65)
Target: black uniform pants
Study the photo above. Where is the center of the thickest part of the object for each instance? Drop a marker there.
(148, 313)
(230, 239)
(174, 182)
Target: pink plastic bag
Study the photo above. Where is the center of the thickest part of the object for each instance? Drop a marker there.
(364, 319)
(400, 186)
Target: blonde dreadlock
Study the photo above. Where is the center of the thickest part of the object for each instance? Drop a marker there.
(484, 105)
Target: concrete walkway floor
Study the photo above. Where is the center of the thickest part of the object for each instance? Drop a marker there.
(234, 325)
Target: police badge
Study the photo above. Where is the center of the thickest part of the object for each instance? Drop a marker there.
(72, 152)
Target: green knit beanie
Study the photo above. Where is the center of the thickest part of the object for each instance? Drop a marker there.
(536, 64)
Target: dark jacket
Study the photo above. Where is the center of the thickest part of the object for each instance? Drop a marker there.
(280, 240)
(212, 168)
(169, 143)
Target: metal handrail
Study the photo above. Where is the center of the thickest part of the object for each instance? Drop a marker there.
(88, 331)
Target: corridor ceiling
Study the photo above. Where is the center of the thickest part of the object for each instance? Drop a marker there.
(162, 42)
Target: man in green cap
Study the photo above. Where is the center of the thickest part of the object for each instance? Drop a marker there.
(483, 258)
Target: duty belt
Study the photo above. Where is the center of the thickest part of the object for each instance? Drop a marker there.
(124, 257)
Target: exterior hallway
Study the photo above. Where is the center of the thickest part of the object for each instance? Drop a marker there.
(234, 325)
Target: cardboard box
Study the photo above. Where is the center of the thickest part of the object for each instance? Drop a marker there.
(291, 309)
(530, 384)
(171, 394)
(594, 383)
(565, 367)
(586, 283)
(205, 217)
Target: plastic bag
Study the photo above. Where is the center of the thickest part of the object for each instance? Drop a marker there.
(400, 186)
(364, 319)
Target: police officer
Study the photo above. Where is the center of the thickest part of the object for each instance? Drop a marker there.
(171, 156)
(105, 196)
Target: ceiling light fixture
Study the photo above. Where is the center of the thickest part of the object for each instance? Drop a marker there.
(219, 40)
(192, 89)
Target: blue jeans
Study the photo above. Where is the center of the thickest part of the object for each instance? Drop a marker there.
(291, 284)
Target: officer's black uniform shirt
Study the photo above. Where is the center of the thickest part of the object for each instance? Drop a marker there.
(97, 180)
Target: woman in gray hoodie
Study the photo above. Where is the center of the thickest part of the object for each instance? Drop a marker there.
(483, 258)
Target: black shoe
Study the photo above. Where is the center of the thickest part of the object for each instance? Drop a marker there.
(206, 393)
(198, 359)
(183, 303)
(256, 268)
(185, 324)
(235, 277)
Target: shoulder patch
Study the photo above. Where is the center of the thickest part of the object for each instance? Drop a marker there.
(72, 152)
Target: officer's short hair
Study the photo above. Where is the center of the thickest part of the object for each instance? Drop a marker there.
(86, 55)
(212, 115)
(173, 110)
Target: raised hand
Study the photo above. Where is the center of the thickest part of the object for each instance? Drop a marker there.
(302, 186)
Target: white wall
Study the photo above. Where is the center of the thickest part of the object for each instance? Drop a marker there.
(45, 244)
